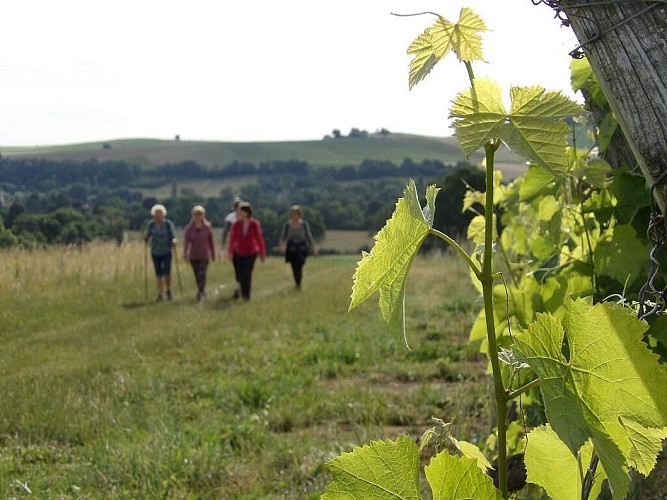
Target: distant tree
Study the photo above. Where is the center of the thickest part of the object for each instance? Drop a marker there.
(77, 192)
(316, 221)
(15, 210)
(7, 238)
(449, 217)
(137, 214)
(177, 137)
(106, 145)
(336, 133)
(148, 202)
(384, 132)
(355, 133)
(33, 204)
(112, 224)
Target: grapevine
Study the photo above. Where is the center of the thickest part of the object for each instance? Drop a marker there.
(601, 386)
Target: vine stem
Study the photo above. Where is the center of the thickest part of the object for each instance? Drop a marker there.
(460, 251)
(486, 279)
(471, 74)
(518, 392)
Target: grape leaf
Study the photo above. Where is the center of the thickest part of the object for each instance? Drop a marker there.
(606, 130)
(609, 375)
(548, 209)
(533, 128)
(619, 254)
(559, 289)
(601, 204)
(632, 194)
(476, 229)
(385, 268)
(479, 115)
(462, 38)
(455, 478)
(582, 77)
(546, 453)
(423, 58)
(516, 238)
(472, 451)
(646, 445)
(473, 200)
(440, 38)
(378, 470)
(595, 172)
(478, 332)
(536, 182)
(536, 130)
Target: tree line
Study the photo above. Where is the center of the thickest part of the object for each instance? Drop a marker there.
(66, 201)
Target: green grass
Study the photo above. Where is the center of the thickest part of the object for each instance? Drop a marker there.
(106, 395)
(327, 152)
(347, 241)
(342, 241)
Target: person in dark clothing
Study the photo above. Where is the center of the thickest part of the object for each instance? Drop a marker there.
(246, 242)
(296, 242)
(162, 236)
(198, 247)
(230, 220)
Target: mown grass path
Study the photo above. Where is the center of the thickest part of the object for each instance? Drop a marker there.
(108, 395)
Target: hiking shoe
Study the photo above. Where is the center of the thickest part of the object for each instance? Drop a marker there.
(169, 296)
(159, 298)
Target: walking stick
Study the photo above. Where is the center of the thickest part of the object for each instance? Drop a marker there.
(178, 272)
(145, 272)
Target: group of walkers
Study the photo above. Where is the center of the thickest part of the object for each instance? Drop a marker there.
(242, 243)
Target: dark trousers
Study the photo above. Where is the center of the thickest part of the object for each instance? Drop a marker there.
(245, 265)
(297, 271)
(199, 268)
(296, 254)
(162, 264)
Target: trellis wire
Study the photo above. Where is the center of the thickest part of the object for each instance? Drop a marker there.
(563, 16)
(657, 234)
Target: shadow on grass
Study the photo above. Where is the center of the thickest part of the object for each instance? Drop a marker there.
(214, 302)
(137, 305)
(223, 302)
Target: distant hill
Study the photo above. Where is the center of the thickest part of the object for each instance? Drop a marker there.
(324, 152)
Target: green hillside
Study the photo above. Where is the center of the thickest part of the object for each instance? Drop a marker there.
(325, 152)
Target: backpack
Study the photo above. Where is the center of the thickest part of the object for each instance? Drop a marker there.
(170, 229)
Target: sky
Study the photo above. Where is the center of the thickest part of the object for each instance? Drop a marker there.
(249, 70)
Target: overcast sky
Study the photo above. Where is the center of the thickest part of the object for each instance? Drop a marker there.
(88, 70)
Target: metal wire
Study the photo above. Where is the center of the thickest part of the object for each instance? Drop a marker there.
(578, 52)
(657, 234)
(561, 13)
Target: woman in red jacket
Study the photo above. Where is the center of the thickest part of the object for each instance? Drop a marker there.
(246, 241)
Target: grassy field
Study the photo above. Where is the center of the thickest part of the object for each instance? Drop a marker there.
(326, 152)
(346, 241)
(343, 241)
(106, 394)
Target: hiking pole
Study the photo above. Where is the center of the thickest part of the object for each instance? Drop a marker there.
(178, 272)
(145, 272)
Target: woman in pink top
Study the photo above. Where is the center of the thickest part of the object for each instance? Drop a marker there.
(246, 241)
(199, 247)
